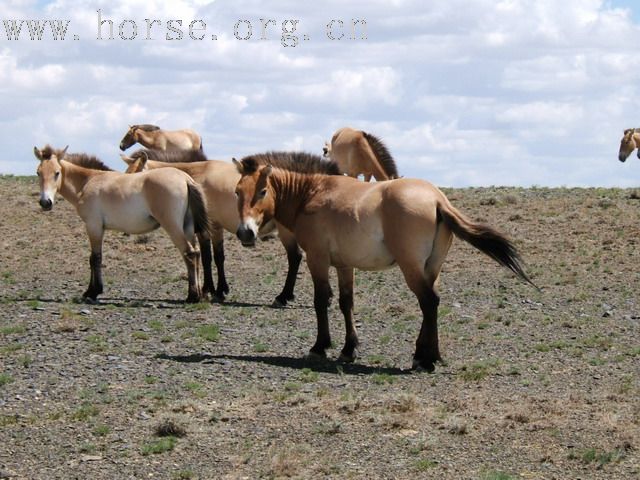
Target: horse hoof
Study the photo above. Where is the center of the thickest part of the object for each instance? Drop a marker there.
(278, 304)
(423, 366)
(215, 298)
(315, 356)
(344, 358)
(90, 300)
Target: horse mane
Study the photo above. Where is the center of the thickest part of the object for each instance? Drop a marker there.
(382, 154)
(300, 162)
(79, 159)
(147, 127)
(171, 156)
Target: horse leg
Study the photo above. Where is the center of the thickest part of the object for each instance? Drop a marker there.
(205, 256)
(345, 284)
(95, 262)
(218, 257)
(294, 256)
(319, 269)
(184, 240)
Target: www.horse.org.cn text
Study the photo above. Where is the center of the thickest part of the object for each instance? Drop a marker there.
(288, 31)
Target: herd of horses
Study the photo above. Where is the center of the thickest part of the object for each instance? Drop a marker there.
(316, 205)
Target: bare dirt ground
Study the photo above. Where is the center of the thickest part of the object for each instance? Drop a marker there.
(537, 385)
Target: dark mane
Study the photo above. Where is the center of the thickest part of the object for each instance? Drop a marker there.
(301, 162)
(80, 159)
(147, 127)
(171, 156)
(382, 154)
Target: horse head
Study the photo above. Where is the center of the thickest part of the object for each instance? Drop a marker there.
(49, 174)
(256, 204)
(129, 138)
(627, 144)
(136, 162)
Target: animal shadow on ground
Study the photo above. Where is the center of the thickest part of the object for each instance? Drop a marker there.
(323, 366)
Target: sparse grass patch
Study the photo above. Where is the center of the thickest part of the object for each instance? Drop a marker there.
(496, 475)
(382, 378)
(210, 333)
(101, 430)
(85, 412)
(425, 464)
(97, 343)
(140, 336)
(12, 330)
(25, 360)
(196, 389)
(161, 445)
(7, 420)
(260, 347)
(183, 475)
(601, 458)
(11, 348)
(478, 370)
(5, 379)
(308, 376)
(156, 325)
(197, 307)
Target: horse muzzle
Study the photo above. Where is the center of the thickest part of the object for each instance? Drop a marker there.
(122, 147)
(46, 204)
(622, 158)
(246, 235)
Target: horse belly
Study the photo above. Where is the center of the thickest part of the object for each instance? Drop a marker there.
(132, 218)
(364, 252)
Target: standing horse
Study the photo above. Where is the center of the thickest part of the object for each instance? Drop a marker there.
(218, 180)
(357, 152)
(152, 136)
(630, 141)
(108, 200)
(341, 222)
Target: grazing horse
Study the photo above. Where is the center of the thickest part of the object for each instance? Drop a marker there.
(218, 180)
(108, 200)
(341, 222)
(630, 141)
(357, 152)
(152, 136)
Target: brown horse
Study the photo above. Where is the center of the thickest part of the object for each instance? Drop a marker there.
(357, 152)
(341, 222)
(152, 136)
(630, 141)
(218, 180)
(108, 200)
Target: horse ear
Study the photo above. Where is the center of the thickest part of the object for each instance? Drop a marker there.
(63, 153)
(38, 153)
(238, 165)
(266, 171)
(126, 159)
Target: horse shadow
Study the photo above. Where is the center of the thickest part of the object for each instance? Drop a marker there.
(295, 363)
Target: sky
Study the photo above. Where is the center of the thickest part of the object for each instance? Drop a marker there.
(464, 93)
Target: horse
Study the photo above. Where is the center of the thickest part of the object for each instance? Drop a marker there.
(357, 152)
(135, 204)
(152, 136)
(218, 180)
(341, 222)
(630, 141)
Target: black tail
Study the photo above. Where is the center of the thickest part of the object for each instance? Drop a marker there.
(484, 238)
(198, 208)
(382, 154)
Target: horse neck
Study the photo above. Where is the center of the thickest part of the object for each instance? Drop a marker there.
(292, 191)
(145, 138)
(74, 178)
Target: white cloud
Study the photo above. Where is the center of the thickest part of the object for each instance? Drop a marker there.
(463, 92)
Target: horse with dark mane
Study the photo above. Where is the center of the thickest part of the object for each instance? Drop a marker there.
(357, 152)
(341, 222)
(630, 141)
(108, 200)
(152, 136)
(218, 180)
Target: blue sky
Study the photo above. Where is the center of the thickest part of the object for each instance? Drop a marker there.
(510, 92)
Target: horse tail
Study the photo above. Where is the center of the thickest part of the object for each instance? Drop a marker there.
(198, 208)
(382, 155)
(483, 237)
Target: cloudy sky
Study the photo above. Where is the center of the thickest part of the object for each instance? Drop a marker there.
(473, 92)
